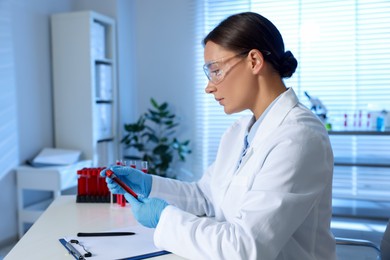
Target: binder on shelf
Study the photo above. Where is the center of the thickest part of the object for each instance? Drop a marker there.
(98, 35)
(103, 81)
(103, 120)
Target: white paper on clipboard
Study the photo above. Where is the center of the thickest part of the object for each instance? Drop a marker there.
(119, 247)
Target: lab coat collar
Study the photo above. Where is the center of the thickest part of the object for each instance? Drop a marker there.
(276, 115)
(254, 124)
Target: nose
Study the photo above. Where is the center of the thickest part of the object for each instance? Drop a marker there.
(210, 88)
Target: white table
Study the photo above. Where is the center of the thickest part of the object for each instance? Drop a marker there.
(64, 216)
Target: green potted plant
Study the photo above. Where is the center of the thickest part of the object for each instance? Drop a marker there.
(153, 139)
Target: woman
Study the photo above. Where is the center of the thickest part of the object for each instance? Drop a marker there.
(268, 193)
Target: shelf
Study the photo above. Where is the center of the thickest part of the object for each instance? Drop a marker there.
(358, 132)
(40, 206)
(85, 87)
(366, 161)
(31, 213)
(103, 101)
(108, 139)
(362, 161)
(104, 61)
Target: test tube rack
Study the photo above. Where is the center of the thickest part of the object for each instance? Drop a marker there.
(91, 187)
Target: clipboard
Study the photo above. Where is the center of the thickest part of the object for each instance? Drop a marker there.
(138, 246)
(73, 251)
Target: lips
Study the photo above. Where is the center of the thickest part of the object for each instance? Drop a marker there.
(219, 100)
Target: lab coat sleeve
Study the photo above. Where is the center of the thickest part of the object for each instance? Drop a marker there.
(193, 197)
(285, 190)
(193, 237)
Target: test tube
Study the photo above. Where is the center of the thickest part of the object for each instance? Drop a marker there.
(119, 162)
(133, 164)
(108, 191)
(345, 120)
(112, 175)
(144, 166)
(102, 186)
(93, 184)
(123, 202)
(119, 199)
(89, 184)
(81, 185)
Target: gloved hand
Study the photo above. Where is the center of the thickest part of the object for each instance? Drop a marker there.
(146, 211)
(139, 182)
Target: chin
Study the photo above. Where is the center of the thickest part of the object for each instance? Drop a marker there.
(231, 111)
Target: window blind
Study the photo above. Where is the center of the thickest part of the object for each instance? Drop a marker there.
(342, 48)
(211, 121)
(8, 126)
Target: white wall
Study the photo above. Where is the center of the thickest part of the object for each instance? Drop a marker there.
(29, 23)
(8, 136)
(165, 60)
(155, 59)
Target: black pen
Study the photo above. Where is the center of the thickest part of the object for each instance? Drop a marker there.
(105, 234)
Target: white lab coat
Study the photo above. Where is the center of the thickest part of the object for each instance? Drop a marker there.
(276, 205)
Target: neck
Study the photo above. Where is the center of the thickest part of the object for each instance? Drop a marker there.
(269, 89)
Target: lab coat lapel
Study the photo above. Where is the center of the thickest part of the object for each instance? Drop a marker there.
(227, 157)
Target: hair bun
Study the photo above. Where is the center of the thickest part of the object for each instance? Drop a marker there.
(288, 65)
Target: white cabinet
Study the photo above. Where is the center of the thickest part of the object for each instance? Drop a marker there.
(85, 88)
(55, 179)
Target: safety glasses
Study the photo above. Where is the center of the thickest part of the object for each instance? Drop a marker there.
(216, 70)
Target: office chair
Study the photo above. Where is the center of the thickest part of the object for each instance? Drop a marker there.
(385, 243)
(382, 252)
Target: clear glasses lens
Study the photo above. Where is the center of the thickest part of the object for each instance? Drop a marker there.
(214, 72)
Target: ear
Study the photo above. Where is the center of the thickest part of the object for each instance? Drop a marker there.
(256, 60)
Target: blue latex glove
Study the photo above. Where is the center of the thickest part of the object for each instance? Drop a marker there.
(146, 211)
(139, 182)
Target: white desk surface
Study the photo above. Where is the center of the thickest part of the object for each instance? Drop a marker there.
(65, 217)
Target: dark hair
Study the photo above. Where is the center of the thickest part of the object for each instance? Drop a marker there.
(246, 31)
